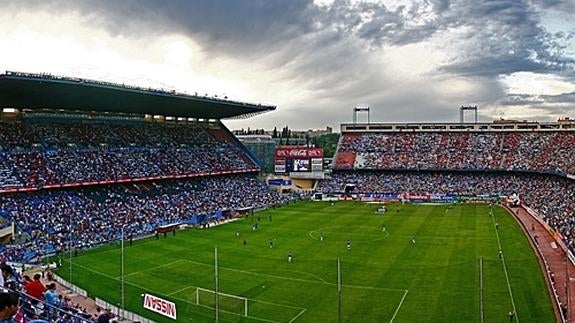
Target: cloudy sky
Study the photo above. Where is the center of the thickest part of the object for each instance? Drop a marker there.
(408, 60)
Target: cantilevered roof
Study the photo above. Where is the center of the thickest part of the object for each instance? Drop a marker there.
(39, 91)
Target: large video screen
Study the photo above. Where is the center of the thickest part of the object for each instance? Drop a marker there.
(298, 159)
(301, 165)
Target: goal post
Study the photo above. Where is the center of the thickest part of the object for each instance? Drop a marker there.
(227, 302)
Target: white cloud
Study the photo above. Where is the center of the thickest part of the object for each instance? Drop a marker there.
(536, 84)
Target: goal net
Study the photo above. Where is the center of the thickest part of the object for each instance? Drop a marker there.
(226, 302)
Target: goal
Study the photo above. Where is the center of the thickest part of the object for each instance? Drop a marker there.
(226, 302)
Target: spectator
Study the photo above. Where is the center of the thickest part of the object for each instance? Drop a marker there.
(35, 289)
(9, 303)
(50, 295)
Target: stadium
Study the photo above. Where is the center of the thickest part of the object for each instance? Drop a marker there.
(143, 201)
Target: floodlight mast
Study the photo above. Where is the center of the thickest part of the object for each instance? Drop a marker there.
(122, 289)
(464, 108)
(216, 301)
(360, 108)
(70, 246)
(338, 290)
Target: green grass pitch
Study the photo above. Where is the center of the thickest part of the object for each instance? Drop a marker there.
(385, 276)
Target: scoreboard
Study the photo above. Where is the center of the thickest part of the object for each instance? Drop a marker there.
(294, 159)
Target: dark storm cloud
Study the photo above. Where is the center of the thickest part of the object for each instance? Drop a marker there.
(233, 25)
(503, 36)
(328, 51)
(567, 6)
(561, 98)
(521, 100)
(553, 105)
(377, 24)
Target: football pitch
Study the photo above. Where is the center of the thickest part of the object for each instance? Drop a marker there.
(421, 263)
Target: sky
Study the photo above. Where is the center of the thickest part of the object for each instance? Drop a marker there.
(407, 60)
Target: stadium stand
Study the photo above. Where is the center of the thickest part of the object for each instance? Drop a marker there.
(142, 157)
(73, 178)
(549, 152)
(51, 155)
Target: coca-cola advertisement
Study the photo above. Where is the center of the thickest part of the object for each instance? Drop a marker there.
(291, 152)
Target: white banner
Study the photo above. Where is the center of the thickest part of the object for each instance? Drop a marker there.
(160, 306)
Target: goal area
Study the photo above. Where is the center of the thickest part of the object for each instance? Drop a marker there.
(226, 302)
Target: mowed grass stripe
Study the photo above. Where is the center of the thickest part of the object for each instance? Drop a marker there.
(440, 271)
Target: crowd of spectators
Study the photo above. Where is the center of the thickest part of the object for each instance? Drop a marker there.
(551, 196)
(24, 299)
(543, 151)
(50, 219)
(35, 155)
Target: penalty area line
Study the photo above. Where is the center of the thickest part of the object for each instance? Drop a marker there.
(153, 268)
(299, 314)
(399, 306)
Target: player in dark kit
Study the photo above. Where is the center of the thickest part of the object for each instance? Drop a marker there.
(511, 316)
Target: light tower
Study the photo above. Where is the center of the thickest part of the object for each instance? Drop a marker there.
(360, 108)
(464, 108)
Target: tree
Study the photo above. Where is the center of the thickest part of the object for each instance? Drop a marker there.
(328, 142)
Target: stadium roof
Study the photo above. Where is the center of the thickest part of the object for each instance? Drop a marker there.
(40, 91)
